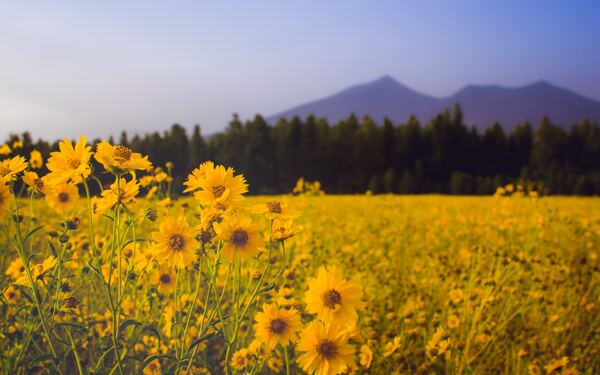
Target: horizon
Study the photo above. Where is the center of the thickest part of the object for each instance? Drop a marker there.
(106, 67)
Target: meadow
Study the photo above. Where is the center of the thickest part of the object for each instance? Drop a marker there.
(137, 280)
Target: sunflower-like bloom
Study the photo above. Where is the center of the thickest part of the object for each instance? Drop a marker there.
(15, 269)
(4, 199)
(62, 197)
(221, 189)
(273, 209)
(11, 294)
(240, 238)
(175, 242)
(35, 159)
(240, 360)
(277, 326)
(332, 298)
(35, 183)
(124, 192)
(5, 149)
(284, 229)
(70, 163)
(164, 278)
(198, 175)
(10, 168)
(38, 271)
(120, 159)
(325, 349)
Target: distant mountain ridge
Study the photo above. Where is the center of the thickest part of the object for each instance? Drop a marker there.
(482, 105)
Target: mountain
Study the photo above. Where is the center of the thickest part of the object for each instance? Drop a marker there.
(481, 105)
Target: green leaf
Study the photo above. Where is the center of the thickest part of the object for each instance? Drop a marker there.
(40, 358)
(200, 340)
(32, 232)
(128, 322)
(70, 324)
(152, 358)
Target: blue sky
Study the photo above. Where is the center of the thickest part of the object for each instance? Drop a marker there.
(72, 67)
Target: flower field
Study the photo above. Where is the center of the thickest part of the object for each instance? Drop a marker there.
(133, 279)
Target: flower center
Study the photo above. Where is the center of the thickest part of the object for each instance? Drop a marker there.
(63, 197)
(176, 242)
(123, 153)
(4, 171)
(278, 326)
(218, 190)
(331, 298)
(205, 236)
(327, 349)
(239, 237)
(74, 163)
(274, 207)
(39, 184)
(165, 278)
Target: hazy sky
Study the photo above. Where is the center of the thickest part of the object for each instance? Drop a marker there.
(72, 67)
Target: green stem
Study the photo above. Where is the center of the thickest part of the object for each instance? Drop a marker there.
(79, 368)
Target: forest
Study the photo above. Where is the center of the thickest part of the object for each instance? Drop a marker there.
(356, 155)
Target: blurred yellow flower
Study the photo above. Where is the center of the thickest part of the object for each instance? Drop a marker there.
(62, 197)
(35, 159)
(9, 168)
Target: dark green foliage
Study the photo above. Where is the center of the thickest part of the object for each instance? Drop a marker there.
(352, 156)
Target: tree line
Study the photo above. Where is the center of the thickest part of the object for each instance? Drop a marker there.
(355, 155)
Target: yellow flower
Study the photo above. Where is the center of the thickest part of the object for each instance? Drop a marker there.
(273, 209)
(240, 236)
(38, 271)
(11, 294)
(332, 298)
(123, 192)
(284, 229)
(392, 346)
(221, 189)
(240, 359)
(436, 343)
(9, 168)
(276, 326)
(15, 269)
(175, 242)
(195, 178)
(325, 349)
(146, 180)
(5, 149)
(35, 159)
(366, 356)
(120, 159)
(557, 364)
(17, 144)
(453, 321)
(4, 199)
(63, 197)
(37, 184)
(456, 295)
(164, 279)
(69, 163)
(153, 368)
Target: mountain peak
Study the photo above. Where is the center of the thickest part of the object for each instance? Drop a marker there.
(386, 79)
(482, 105)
